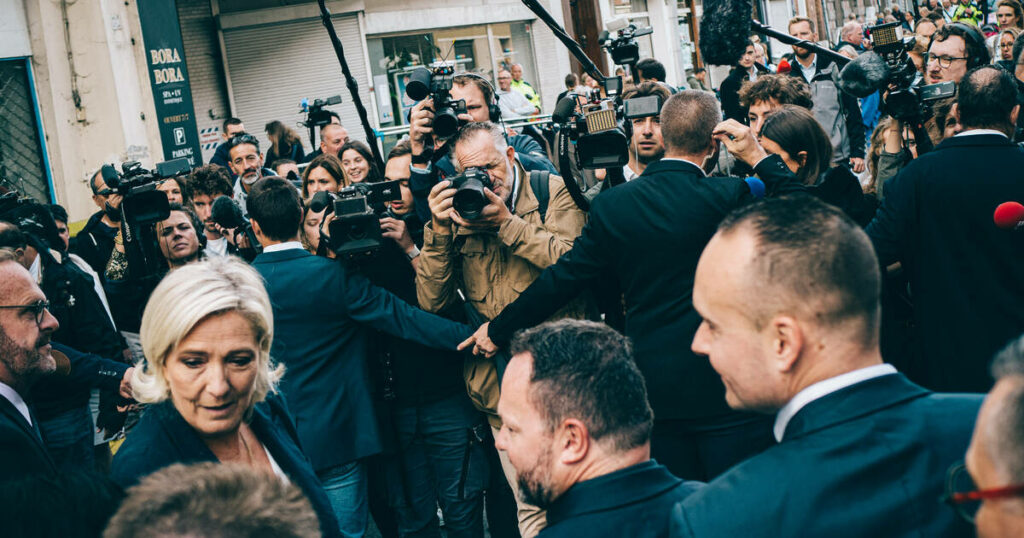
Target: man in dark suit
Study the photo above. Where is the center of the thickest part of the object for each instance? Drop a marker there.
(966, 275)
(647, 235)
(25, 355)
(323, 315)
(577, 428)
(789, 292)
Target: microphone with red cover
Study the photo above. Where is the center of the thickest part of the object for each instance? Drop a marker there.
(1009, 216)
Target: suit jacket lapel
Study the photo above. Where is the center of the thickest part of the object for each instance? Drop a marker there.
(851, 403)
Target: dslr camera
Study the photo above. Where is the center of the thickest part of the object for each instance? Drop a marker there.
(436, 83)
(469, 199)
(355, 230)
(622, 45)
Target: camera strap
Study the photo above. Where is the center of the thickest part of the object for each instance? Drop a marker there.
(539, 182)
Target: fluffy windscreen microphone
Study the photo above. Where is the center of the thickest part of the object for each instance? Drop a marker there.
(724, 28)
(564, 109)
(864, 75)
(226, 213)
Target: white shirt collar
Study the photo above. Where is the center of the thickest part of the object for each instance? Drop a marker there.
(981, 132)
(687, 162)
(16, 400)
(35, 268)
(287, 245)
(822, 389)
(628, 173)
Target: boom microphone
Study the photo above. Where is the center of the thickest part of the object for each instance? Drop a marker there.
(865, 75)
(226, 213)
(724, 29)
(1009, 216)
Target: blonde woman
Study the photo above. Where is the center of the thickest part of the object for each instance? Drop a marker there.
(210, 383)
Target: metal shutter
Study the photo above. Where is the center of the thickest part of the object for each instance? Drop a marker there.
(272, 68)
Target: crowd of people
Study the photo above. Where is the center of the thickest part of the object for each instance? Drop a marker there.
(783, 321)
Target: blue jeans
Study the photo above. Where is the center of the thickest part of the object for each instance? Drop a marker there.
(68, 437)
(442, 462)
(345, 486)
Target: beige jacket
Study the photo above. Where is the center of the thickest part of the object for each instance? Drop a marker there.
(492, 269)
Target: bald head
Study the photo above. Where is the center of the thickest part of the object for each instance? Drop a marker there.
(687, 120)
(25, 331)
(332, 137)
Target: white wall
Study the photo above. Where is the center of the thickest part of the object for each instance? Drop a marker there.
(14, 40)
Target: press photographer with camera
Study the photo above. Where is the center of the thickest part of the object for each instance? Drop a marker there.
(323, 315)
(488, 228)
(477, 96)
(95, 241)
(646, 235)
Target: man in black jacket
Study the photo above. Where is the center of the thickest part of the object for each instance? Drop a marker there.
(837, 112)
(966, 275)
(648, 234)
(577, 427)
(96, 240)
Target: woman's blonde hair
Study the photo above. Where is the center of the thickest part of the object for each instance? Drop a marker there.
(184, 299)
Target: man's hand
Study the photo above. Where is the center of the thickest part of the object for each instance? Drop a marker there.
(440, 201)
(126, 384)
(397, 231)
(421, 121)
(740, 141)
(857, 164)
(493, 215)
(482, 344)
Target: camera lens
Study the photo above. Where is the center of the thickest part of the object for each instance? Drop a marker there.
(446, 123)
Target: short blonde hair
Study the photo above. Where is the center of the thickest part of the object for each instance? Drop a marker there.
(185, 298)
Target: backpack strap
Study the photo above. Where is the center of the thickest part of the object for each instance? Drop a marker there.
(541, 189)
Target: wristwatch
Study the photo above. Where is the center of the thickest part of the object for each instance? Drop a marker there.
(413, 253)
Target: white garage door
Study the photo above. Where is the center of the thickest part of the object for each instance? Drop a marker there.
(274, 67)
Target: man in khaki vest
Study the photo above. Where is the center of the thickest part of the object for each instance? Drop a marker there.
(493, 258)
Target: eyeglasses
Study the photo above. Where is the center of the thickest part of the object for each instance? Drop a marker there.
(944, 61)
(965, 499)
(37, 308)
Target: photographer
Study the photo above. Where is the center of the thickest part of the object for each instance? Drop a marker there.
(479, 97)
(422, 397)
(496, 254)
(647, 236)
(95, 241)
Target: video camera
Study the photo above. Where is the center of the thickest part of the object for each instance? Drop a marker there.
(437, 83)
(909, 101)
(623, 47)
(602, 127)
(316, 116)
(142, 206)
(355, 230)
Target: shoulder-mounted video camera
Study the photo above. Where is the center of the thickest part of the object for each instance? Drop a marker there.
(355, 230)
(437, 83)
(909, 100)
(316, 115)
(620, 41)
(142, 206)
